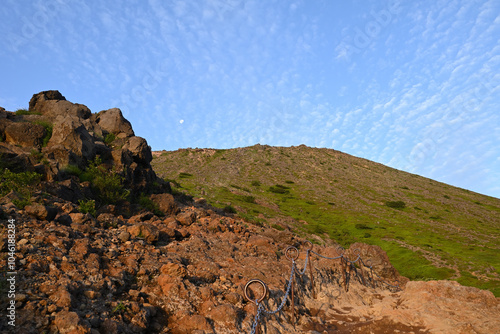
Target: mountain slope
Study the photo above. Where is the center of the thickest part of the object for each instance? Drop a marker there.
(429, 229)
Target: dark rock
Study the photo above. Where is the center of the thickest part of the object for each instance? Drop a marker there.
(112, 121)
(139, 149)
(45, 96)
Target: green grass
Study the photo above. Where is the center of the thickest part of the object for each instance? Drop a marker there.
(23, 111)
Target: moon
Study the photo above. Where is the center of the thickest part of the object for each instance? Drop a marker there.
(181, 121)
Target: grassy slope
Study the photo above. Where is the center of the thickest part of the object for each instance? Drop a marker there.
(442, 232)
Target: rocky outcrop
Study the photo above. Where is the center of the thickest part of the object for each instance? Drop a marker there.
(78, 136)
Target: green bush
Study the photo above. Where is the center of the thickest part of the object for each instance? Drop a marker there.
(229, 209)
(87, 206)
(255, 183)
(23, 183)
(185, 175)
(107, 184)
(110, 137)
(73, 170)
(396, 204)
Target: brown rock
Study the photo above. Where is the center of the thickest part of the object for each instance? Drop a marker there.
(41, 211)
(62, 298)
(112, 121)
(139, 149)
(225, 314)
(69, 322)
(145, 231)
(69, 133)
(174, 270)
(52, 104)
(166, 203)
(194, 322)
(186, 218)
(25, 134)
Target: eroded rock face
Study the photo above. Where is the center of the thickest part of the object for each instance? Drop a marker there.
(25, 134)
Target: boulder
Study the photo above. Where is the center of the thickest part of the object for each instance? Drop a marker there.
(112, 121)
(139, 149)
(69, 322)
(25, 134)
(52, 104)
(71, 135)
(45, 96)
(41, 211)
(166, 203)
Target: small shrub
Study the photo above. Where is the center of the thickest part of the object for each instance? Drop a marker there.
(73, 170)
(279, 189)
(87, 206)
(106, 183)
(362, 227)
(367, 235)
(248, 199)
(183, 175)
(256, 183)
(446, 196)
(229, 209)
(110, 137)
(289, 182)
(174, 182)
(396, 204)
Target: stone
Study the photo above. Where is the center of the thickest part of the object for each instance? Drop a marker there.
(112, 121)
(145, 231)
(69, 322)
(45, 96)
(41, 211)
(70, 134)
(139, 149)
(25, 134)
(225, 313)
(186, 218)
(166, 203)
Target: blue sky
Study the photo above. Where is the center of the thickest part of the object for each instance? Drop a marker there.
(411, 84)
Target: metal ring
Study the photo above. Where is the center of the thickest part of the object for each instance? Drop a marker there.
(357, 252)
(310, 247)
(368, 263)
(288, 249)
(264, 286)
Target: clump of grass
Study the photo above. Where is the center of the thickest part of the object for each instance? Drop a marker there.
(183, 175)
(73, 170)
(110, 137)
(87, 206)
(24, 111)
(278, 227)
(248, 199)
(256, 183)
(396, 204)
(229, 209)
(279, 189)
